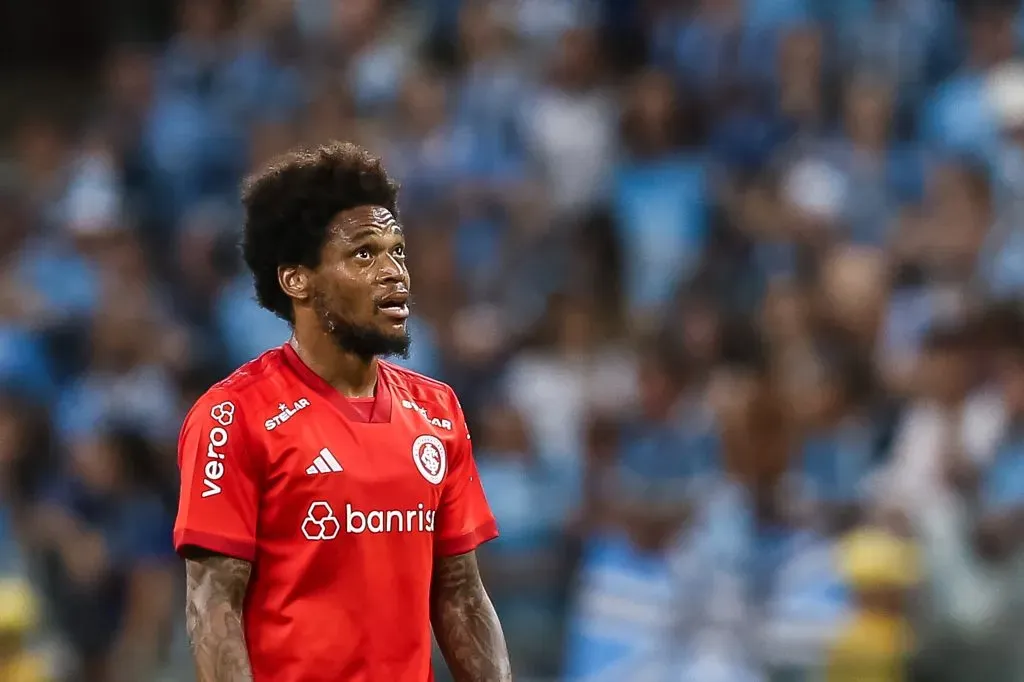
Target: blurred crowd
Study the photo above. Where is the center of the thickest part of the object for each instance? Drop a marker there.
(731, 291)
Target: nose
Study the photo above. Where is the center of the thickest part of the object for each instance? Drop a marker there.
(393, 270)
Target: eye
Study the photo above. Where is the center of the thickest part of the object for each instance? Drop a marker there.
(363, 253)
(400, 251)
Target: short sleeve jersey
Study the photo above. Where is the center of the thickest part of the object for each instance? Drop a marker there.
(341, 505)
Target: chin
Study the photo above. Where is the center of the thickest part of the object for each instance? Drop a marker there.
(393, 340)
(399, 343)
(374, 338)
(398, 350)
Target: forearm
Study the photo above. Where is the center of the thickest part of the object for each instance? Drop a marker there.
(216, 590)
(466, 625)
(218, 647)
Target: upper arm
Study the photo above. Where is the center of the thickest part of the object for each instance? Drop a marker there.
(455, 573)
(214, 582)
(216, 593)
(220, 481)
(464, 519)
(456, 587)
(465, 623)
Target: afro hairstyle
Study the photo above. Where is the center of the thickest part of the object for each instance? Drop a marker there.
(291, 203)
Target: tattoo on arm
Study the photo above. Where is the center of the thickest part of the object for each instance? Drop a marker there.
(465, 624)
(216, 589)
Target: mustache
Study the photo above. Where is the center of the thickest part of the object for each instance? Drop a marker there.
(381, 300)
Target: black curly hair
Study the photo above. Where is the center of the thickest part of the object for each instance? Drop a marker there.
(290, 204)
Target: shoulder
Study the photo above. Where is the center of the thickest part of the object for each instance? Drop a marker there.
(260, 370)
(416, 386)
(254, 384)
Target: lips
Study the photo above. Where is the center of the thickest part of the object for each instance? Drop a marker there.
(395, 305)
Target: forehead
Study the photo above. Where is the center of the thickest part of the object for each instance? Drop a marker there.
(363, 222)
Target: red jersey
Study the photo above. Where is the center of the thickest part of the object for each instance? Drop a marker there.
(341, 505)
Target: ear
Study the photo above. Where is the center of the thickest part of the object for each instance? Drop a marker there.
(296, 281)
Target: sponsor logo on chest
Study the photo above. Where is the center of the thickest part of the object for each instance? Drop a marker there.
(433, 421)
(284, 413)
(224, 416)
(322, 523)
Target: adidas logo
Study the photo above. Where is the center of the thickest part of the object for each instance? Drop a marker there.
(325, 463)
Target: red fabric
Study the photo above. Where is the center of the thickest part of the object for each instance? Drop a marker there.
(342, 559)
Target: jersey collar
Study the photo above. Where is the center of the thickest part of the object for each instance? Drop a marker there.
(381, 412)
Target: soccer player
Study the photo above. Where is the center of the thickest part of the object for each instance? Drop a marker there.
(330, 506)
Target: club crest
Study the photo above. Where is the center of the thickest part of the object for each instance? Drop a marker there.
(429, 457)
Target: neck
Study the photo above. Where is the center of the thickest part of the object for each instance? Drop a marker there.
(353, 376)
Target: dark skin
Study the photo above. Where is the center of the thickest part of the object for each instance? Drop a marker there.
(465, 623)
(215, 591)
(362, 269)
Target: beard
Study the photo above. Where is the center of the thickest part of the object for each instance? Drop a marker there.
(361, 340)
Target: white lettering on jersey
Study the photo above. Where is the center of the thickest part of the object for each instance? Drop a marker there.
(419, 520)
(285, 413)
(224, 415)
(434, 421)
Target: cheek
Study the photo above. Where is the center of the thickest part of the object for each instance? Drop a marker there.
(342, 291)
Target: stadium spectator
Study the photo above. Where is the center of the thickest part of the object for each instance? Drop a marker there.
(838, 178)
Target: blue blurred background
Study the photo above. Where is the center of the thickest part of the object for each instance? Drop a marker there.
(730, 290)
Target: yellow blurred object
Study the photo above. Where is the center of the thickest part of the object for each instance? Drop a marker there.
(873, 558)
(874, 644)
(25, 668)
(19, 610)
(872, 647)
